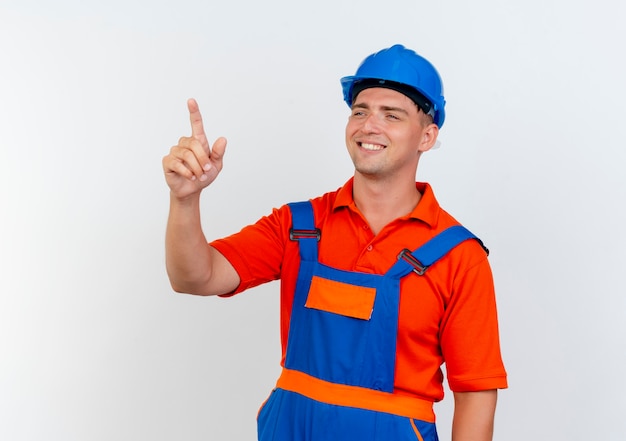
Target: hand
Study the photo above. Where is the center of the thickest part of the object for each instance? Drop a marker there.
(191, 164)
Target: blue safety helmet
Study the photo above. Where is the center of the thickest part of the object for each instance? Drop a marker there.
(403, 70)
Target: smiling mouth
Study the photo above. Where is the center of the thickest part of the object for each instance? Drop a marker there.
(371, 147)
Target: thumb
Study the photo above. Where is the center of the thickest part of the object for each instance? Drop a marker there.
(218, 149)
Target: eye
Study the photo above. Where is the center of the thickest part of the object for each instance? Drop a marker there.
(393, 116)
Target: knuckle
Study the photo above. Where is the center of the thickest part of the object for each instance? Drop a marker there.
(188, 156)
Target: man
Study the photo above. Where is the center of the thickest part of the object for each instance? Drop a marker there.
(379, 285)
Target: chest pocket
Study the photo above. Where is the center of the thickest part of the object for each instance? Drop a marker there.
(341, 298)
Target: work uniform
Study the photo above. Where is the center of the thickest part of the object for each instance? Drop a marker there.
(359, 362)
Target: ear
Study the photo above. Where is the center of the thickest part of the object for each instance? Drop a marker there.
(429, 138)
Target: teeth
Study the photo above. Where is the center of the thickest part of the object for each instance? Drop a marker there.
(372, 147)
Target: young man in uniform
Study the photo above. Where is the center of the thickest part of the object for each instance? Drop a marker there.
(379, 285)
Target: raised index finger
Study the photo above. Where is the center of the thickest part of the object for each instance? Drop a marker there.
(197, 128)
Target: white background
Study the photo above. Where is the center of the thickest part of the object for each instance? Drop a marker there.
(94, 345)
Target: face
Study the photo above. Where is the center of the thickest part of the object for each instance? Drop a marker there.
(386, 134)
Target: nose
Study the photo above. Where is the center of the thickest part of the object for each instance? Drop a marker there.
(371, 124)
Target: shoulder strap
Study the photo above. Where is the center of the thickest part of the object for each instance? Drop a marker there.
(433, 250)
(303, 229)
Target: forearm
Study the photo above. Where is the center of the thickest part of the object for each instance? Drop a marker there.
(187, 254)
(474, 415)
(192, 265)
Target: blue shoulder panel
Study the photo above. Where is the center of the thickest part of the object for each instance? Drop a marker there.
(303, 229)
(433, 250)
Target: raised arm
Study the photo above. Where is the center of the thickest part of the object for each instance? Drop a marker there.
(192, 265)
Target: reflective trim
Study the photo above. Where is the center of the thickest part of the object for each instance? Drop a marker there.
(353, 396)
(416, 430)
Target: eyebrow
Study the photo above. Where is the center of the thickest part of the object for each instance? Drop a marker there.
(383, 108)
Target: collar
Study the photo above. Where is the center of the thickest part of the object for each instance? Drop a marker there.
(427, 209)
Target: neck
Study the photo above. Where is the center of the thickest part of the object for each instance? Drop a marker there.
(381, 202)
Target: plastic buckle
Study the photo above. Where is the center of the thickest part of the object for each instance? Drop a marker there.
(418, 268)
(305, 234)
